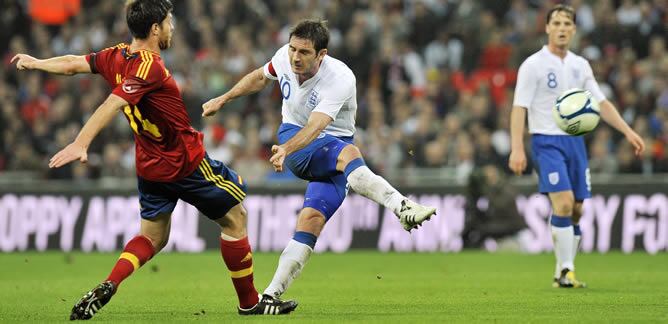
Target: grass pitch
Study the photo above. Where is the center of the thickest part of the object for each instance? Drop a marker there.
(351, 287)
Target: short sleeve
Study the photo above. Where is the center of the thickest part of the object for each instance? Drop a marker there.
(99, 62)
(274, 67)
(337, 95)
(525, 89)
(270, 72)
(145, 75)
(591, 84)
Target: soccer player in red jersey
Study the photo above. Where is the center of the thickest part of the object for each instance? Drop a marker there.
(170, 157)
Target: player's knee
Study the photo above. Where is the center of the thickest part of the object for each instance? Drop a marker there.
(349, 153)
(563, 207)
(234, 222)
(349, 159)
(352, 151)
(311, 221)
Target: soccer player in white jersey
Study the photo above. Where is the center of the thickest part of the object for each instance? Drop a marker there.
(316, 141)
(560, 159)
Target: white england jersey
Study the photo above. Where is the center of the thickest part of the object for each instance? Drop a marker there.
(332, 91)
(542, 78)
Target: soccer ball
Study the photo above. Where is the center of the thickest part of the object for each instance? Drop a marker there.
(576, 112)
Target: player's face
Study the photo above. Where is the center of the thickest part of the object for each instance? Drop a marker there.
(303, 57)
(166, 29)
(561, 29)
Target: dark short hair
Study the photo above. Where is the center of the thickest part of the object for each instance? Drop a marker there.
(314, 30)
(561, 8)
(142, 14)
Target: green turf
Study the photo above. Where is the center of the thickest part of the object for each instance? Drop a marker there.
(355, 286)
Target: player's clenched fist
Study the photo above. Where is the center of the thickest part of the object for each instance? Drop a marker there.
(23, 61)
(278, 157)
(517, 162)
(212, 106)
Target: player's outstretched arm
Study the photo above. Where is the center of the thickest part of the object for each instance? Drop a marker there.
(249, 84)
(68, 64)
(317, 122)
(611, 116)
(78, 149)
(517, 161)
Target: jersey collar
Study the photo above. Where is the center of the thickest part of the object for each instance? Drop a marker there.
(550, 54)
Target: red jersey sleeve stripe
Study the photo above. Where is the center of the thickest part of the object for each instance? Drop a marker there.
(148, 66)
(271, 69)
(141, 65)
(145, 66)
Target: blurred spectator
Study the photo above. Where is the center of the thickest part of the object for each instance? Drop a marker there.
(435, 79)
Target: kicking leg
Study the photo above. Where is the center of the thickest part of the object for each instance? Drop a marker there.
(153, 236)
(368, 184)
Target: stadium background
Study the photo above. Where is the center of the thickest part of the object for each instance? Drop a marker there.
(436, 81)
(435, 89)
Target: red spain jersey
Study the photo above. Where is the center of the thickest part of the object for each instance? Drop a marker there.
(167, 147)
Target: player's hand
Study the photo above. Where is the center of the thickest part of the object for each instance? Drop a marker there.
(70, 153)
(278, 157)
(23, 61)
(517, 162)
(212, 106)
(636, 141)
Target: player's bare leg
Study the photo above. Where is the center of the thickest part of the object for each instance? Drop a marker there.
(238, 257)
(154, 234)
(368, 184)
(298, 251)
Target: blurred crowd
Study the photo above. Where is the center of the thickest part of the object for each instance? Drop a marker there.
(435, 80)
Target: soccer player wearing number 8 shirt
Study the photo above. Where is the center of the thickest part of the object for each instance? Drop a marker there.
(170, 158)
(316, 142)
(560, 159)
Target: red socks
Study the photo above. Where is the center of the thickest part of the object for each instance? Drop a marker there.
(236, 254)
(239, 260)
(137, 252)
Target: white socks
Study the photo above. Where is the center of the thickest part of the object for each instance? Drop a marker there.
(374, 187)
(290, 265)
(576, 247)
(563, 239)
